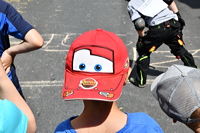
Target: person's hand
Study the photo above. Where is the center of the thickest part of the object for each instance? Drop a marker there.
(6, 61)
(180, 19)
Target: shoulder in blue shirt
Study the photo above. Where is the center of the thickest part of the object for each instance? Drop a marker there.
(136, 123)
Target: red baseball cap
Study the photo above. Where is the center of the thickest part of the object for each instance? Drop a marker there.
(96, 67)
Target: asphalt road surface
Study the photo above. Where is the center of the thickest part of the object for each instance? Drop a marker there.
(60, 22)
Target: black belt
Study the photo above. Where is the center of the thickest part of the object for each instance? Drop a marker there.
(165, 24)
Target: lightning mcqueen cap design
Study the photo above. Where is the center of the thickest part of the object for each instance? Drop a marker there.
(96, 66)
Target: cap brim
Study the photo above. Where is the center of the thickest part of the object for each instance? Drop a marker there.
(154, 85)
(85, 87)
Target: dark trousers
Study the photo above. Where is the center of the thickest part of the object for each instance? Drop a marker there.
(169, 33)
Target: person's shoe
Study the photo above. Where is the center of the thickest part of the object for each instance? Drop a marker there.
(134, 82)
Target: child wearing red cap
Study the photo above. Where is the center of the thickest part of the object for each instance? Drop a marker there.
(97, 68)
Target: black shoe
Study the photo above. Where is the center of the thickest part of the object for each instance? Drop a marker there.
(134, 82)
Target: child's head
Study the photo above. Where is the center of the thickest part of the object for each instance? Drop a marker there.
(178, 93)
(96, 67)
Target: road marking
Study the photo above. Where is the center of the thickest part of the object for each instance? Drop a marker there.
(28, 84)
(48, 41)
(40, 83)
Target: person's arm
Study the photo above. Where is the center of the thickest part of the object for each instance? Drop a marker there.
(33, 41)
(172, 6)
(9, 92)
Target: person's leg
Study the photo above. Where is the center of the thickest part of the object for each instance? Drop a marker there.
(176, 45)
(185, 56)
(138, 75)
(142, 67)
(153, 39)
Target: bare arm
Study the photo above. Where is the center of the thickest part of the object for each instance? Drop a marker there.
(33, 41)
(9, 92)
(173, 7)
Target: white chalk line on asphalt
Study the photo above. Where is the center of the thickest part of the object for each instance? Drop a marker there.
(27, 84)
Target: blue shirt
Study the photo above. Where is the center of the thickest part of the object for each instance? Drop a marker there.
(136, 123)
(12, 119)
(11, 23)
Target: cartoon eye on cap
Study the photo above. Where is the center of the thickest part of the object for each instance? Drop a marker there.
(98, 67)
(82, 66)
(84, 61)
